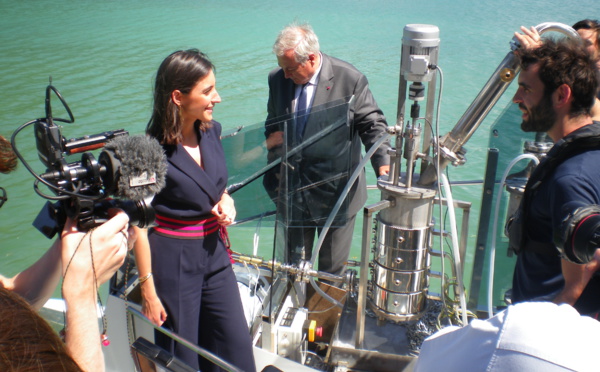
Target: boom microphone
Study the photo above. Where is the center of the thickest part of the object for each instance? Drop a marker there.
(127, 174)
(132, 169)
(136, 167)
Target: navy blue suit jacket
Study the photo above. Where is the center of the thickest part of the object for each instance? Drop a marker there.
(191, 191)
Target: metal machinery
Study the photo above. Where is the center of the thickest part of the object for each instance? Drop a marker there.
(401, 262)
(397, 292)
(383, 307)
(515, 182)
(398, 288)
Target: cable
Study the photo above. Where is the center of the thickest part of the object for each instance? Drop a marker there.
(335, 210)
(438, 173)
(67, 194)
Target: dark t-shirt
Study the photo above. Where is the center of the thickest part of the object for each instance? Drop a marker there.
(538, 276)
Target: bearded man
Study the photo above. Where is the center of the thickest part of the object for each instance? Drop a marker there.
(557, 87)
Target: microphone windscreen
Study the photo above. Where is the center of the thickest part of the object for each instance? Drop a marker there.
(143, 166)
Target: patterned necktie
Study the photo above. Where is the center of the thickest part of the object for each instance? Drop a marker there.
(301, 113)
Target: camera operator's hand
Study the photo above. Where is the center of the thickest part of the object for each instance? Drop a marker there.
(108, 242)
(89, 259)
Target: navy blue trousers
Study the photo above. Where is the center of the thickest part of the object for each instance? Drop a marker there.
(196, 284)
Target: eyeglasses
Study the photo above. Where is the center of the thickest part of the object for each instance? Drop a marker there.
(3, 197)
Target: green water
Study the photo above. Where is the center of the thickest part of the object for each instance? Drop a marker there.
(102, 56)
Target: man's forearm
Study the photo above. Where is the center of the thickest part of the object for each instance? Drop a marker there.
(37, 283)
(576, 279)
(567, 296)
(82, 331)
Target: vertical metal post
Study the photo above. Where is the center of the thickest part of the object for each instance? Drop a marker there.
(364, 268)
(484, 225)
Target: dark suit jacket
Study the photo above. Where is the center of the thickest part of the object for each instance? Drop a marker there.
(192, 191)
(337, 80)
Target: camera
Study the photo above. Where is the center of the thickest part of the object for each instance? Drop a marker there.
(126, 175)
(579, 233)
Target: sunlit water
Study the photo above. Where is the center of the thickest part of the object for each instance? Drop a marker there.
(102, 56)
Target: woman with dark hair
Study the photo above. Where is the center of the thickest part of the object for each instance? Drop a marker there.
(184, 268)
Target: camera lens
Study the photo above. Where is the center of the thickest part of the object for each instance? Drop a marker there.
(140, 213)
(586, 239)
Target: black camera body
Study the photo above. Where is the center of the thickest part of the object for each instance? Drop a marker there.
(83, 189)
(579, 233)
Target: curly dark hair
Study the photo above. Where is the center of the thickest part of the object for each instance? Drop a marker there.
(565, 61)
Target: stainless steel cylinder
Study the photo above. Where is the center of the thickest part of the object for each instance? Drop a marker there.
(402, 249)
(400, 269)
(397, 306)
(400, 281)
(412, 207)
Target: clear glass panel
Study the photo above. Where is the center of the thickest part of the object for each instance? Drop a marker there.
(299, 180)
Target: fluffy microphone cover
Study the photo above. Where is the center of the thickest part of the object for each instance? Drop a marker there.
(143, 166)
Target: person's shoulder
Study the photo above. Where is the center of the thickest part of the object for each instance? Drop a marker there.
(529, 335)
(275, 72)
(551, 332)
(581, 164)
(216, 126)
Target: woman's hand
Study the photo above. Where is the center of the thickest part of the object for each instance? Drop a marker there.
(152, 308)
(225, 210)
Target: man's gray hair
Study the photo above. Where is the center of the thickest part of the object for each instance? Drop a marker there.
(299, 37)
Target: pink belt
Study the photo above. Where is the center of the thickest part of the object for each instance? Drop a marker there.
(186, 229)
(192, 229)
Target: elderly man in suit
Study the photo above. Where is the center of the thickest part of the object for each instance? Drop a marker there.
(305, 82)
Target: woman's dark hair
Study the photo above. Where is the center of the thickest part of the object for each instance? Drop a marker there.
(180, 71)
(27, 342)
(565, 61)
